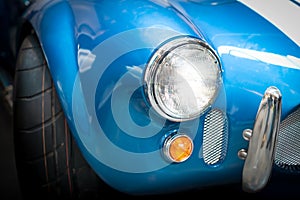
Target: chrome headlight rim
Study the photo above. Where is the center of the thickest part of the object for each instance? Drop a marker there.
(153, 65)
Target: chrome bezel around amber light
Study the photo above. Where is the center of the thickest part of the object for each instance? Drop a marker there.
(168, 142)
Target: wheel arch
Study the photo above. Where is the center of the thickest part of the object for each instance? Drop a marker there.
(53, 25)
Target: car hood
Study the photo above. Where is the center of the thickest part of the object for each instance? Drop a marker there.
(250, 19)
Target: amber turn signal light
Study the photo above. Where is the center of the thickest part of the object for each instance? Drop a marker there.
(178, 147)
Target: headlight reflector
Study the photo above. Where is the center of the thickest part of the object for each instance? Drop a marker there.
(182, 78)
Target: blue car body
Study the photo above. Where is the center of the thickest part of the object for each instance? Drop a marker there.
(97, 52)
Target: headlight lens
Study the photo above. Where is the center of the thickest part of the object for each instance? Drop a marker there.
(182, 78)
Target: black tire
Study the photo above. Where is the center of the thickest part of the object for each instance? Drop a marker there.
(48, 161)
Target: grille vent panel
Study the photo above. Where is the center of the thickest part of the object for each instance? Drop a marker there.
(215, 136)
(287, 154)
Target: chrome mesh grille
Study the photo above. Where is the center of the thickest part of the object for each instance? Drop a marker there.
(215, 136)
(287, 154)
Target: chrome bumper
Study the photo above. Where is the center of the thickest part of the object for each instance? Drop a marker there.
(259, 157)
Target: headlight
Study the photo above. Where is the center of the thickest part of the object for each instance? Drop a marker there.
(182, 79)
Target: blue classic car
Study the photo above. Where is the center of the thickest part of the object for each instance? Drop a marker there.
(155, 97)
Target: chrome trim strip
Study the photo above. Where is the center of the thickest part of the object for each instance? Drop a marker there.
(261, 150)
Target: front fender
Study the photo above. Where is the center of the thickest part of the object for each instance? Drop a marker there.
(53, 22)
(96, 52)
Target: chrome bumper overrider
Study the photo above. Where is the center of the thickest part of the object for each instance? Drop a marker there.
(259, 157)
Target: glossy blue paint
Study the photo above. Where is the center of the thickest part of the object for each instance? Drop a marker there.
(53, 22)
(97, 52)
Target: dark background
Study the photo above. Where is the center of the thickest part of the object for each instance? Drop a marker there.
(280, 186)
(9, 188)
